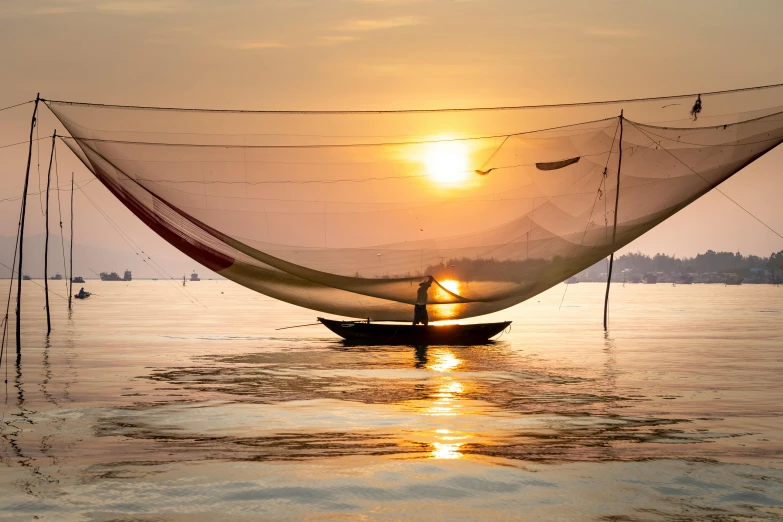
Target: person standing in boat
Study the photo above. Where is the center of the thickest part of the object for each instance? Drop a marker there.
(420, 310)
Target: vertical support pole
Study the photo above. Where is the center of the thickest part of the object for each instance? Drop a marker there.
(21, 232)
(614, 228)
(70, 269)
(46, 245)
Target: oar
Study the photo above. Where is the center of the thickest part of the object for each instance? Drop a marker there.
(297, 326)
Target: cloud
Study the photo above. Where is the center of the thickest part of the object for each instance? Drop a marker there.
(392, 2)
(247, 45)
(378, 24)
(52, 10)
(338, 39)
(139, 7)
(623, 34)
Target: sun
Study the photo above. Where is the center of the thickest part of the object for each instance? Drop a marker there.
(446, 161)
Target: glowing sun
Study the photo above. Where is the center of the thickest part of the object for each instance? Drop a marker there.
(447, 162)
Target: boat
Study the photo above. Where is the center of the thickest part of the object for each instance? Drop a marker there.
(114, 276)
(733, 280)
(85, 295)
(26, 277)
(365, 332)
(56, 277)
(77, 279)
(194, 277)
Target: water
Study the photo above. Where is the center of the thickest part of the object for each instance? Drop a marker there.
(145, 406)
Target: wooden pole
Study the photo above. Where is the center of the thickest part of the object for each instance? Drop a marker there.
(614, 228)
(21, 232)
(46, 245)
(70, 282)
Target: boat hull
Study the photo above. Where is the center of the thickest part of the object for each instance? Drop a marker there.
(376, 333)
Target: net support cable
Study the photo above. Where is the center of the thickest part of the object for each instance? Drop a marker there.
(414, 111)
(712, 186)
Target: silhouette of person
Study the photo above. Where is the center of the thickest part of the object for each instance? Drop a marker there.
(420, 310)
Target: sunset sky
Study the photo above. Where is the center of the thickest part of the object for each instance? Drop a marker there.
(372, 54)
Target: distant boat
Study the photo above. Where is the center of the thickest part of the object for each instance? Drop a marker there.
(56, 277)
(77, 279)
(733, 280)
(26, 277)
(194, 277)
(114, 276)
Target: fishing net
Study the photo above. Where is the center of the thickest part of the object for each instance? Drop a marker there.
(347, 212)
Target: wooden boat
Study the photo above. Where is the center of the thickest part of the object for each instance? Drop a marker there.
(377, 333)
(82, 296)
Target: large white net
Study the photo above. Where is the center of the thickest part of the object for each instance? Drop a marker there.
(347, 212)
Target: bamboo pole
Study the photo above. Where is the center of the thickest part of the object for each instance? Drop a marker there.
(46, 245)
(70, 280)
(21, 232)
(614, 228)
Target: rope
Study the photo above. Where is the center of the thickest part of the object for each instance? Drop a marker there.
(58, 189)
(709, 184)
(14, 271)
(563, 298)
(598, 194)
(17, 105)
(136, 249)
(338, 145)
(418, 111)
(25, 142)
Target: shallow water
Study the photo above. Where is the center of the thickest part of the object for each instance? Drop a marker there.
(148, 403)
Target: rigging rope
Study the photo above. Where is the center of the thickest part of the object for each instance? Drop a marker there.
(25, 142)
(17, 105)
(711, 185)
(598, 193)
(136, 249)
(14, 271)
(338, 145)
(59, 189)
(397, 111)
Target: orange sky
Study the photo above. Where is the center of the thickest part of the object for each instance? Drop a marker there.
(359, 54)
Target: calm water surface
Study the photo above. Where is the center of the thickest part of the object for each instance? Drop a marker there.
(150, 404)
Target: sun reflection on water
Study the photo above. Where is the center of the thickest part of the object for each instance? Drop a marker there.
(446, 443)
(444, 361)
